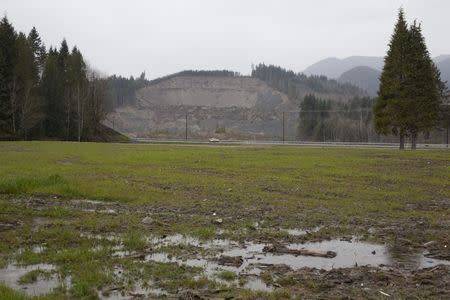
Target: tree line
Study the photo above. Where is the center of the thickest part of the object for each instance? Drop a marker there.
(211, 73)
(353, 120)
(47, 93)
(123, 90)
(328, 120)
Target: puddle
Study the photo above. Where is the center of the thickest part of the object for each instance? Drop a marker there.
(90, 202)
(12, 273)
(300, 232)
(109, 237)
(38, 249)
(137, 292)
(179, 239)
(41, 221)
(212, 269)
(348, 254)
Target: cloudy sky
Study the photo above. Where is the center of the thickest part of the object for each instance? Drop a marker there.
(166, 36)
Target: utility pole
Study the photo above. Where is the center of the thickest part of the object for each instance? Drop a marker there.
(283, 127)
(360, 125)
(185, 134)
(448, 125)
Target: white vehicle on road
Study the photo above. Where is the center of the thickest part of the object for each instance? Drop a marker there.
(214, 140)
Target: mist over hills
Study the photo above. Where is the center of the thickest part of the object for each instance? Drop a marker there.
(444, 67)
(334, 67)
(364, 71)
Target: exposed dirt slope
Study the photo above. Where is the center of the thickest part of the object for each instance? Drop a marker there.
(226, 107)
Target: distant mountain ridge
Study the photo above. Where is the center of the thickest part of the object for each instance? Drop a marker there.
(364, 77)
(334, 67)
(362, 71)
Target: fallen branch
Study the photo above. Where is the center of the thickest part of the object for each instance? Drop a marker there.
(279, 249)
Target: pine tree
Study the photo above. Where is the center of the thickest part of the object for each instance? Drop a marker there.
(389, 109)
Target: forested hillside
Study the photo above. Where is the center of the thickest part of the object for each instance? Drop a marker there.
(298, 85)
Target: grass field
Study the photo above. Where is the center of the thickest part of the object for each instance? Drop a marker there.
(237, 193)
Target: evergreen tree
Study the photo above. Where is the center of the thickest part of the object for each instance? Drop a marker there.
(51, 90)
(8, 58)
(390, 110)
(27, 110)
(48, 95)
(38, 48)
(410, 86)
(423, 87)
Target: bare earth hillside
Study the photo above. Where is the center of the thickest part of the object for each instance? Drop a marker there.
(224, 107)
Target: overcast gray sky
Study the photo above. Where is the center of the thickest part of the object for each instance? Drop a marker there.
(166, 36)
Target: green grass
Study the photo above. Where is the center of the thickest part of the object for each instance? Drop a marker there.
(34, 275)
(184, 188)
(134, 241)
(20, 185)
(7, 293)
(227, 275)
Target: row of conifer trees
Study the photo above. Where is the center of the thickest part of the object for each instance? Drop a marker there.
(47, 93)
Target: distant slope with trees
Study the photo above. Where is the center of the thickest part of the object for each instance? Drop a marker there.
(298, 85)
(365, 78)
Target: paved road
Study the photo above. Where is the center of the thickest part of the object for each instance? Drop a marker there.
(288, 143)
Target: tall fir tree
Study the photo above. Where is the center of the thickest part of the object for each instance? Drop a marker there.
(28, 109)
(8, 58)
(51, 91)
(423, 87)
(38, 48)
(410, 90)
(389, 109)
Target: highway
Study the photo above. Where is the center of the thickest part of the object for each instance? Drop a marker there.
(287, 143)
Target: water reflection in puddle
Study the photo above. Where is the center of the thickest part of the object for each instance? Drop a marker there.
(349, 254)
(12, 273)
(301, 232)
(212, 269)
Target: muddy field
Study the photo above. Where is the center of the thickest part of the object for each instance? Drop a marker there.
(181, 222)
